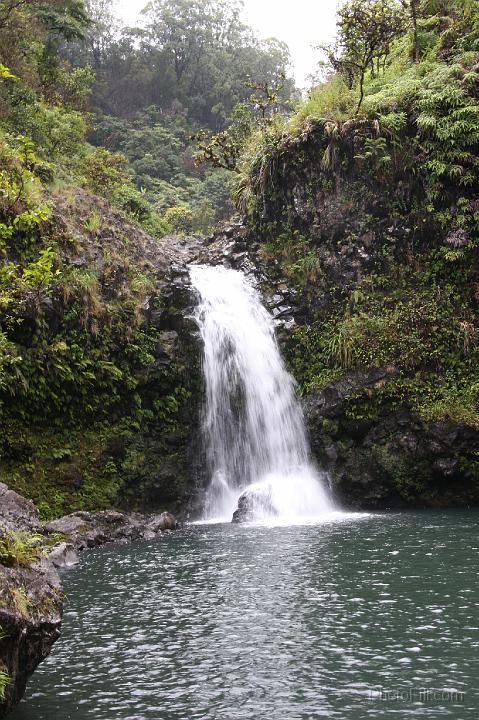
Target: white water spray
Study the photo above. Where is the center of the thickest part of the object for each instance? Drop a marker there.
(253, 424)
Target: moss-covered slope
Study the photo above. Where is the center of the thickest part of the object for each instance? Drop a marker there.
(98, 397)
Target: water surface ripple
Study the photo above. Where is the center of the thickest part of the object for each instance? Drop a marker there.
(349, 620)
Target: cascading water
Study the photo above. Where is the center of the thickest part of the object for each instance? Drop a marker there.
(253, 425)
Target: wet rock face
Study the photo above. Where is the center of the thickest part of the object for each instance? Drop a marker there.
(234, 247)
(147, 436)
(392, 461)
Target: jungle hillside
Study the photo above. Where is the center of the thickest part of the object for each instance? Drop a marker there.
(360, 196)
(102, 130)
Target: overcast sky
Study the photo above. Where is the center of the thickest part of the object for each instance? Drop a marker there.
(300, 23)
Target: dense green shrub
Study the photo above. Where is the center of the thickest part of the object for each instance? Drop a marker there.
(180, 219)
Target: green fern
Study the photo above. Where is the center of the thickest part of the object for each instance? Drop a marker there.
(5, 680)
(21, 548)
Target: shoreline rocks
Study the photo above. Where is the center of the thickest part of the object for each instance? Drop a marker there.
(31, 600)
(84, 530)
(31, 605)
(16, 512)
(31, 597)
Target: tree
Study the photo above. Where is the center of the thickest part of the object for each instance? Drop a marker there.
(103, 28)
(223, 149)
(181, 77)
(412, 7)
(31, 36)
(188, 29)
(366, 29)
(204, 53)
(265, 97)
(8, 10)
(66, 20)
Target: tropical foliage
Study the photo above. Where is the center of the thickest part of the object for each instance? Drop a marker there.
(21, 548)
(390, 135)
(184, 76)
(98, 130)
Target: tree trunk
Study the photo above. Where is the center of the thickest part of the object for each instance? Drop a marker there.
(415, 41)
(361, 91)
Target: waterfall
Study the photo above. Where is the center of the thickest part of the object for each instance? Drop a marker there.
(252, 422)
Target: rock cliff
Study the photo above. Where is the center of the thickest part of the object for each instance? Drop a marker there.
(365, 426)
(30, 599)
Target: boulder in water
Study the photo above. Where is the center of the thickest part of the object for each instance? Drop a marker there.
(166, 521)
(63, 555)
(254, 504)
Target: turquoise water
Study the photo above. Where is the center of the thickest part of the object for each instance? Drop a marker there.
(370, 617)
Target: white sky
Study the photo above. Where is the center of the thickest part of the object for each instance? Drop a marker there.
(300, 23)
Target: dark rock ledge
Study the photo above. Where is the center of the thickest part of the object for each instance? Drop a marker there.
(31, 598)
(85, 530)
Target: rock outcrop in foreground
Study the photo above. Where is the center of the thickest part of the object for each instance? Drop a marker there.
(31, 598)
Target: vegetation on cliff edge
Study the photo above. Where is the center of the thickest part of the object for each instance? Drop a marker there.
(376, 172)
